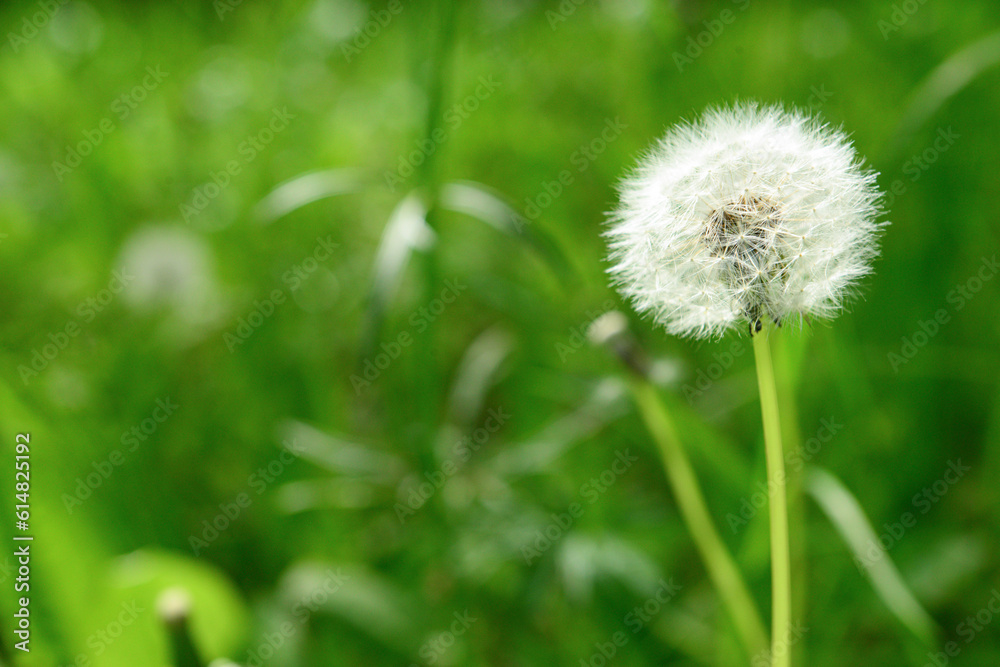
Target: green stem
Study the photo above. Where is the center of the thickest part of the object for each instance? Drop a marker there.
(781, 570)
(442, 17)
(787, 368)
(720, 565)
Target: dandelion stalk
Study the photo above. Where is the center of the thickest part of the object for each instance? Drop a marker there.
(787, 368)
(721, 568)
(174, 607)
(781, 566)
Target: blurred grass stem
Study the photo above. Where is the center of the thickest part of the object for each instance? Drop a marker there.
(721, 568)
(435, 76)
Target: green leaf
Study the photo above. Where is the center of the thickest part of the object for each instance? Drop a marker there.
(218, 622)
(306, 189)
(477, 373)
(406, 232)
(482, 203)
(358, 597)
(847, 516)
(944, 82)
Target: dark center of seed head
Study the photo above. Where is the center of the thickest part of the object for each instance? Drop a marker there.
(745, 233)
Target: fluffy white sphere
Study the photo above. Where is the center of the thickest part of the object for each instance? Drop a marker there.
(749, 213)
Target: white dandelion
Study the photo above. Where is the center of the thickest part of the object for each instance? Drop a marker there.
(750, 213)
(171, 270)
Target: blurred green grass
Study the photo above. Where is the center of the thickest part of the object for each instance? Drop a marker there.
(559, 83)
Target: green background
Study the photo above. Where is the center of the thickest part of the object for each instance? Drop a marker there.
(536, 83)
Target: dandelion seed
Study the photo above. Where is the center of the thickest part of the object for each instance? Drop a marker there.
(750, 213)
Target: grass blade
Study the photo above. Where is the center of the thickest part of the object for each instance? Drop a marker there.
(305, 189)
(944, 82)
(847, 516)
(482, 203)
(407, 231)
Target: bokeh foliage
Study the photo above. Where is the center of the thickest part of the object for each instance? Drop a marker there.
(894, 75)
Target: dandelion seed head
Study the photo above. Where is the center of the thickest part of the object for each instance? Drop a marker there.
(749, 213)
